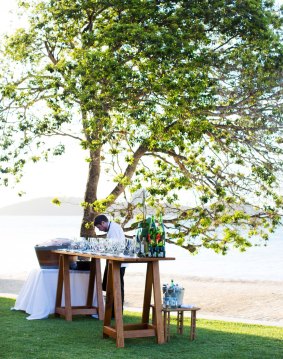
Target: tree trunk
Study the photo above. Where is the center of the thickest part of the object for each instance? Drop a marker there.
(87, 229)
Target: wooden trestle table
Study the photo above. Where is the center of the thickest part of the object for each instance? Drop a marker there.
(119, 331)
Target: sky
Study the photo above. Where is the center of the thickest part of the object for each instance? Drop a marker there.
(64, 176)
(60, 177)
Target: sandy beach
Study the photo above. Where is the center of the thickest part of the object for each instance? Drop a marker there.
(257, 302)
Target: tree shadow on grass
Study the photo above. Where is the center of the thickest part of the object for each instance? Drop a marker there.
(82, 338)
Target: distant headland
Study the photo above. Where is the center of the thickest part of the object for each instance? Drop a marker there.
(44, 207)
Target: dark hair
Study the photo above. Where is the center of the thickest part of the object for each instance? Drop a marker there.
(99, 219)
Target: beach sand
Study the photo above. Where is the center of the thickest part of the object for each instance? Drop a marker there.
(257, 302)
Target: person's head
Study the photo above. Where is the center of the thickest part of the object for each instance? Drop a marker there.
(101, 222)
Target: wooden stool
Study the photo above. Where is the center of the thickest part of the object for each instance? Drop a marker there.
(180, 321)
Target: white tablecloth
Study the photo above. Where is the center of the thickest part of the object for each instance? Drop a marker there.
(38, 294)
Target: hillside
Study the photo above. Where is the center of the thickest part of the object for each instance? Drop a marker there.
(44, 207)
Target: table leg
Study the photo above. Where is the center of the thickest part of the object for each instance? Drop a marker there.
(67, 287)
(193, 324)
(166, 325)
(157, 302)
(95, 277)
(59, 291)
(109, 298)
(100, 301)
(180, 321)
(147, 295)
(92, 275)
(113, 294)
(118, 304)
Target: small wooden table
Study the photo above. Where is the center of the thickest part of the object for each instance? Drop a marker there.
(180, 321)
(64, 279)
(119, 331)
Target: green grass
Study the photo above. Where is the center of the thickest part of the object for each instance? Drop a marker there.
(82, 339)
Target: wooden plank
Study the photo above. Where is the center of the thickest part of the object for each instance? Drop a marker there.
(58, 301)
(180, 321)
(180, 309)
(193, 325)
(77, 310)
(60, 310)
(147, 293)
(98, 281)
(109, 331)
(118, 304)
(157, 303)
(82, 307)
(91, 280)
(109, 298)
(167, 326)
(114, 258)
(136, 326)
(142, 333)
(84, 311)
(67, 287)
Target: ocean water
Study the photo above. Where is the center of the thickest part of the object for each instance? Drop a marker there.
(19, 235)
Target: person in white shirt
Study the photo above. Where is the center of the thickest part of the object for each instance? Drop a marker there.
(115, 231)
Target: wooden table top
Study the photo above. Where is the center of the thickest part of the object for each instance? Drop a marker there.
(180, 309)
(123, 259)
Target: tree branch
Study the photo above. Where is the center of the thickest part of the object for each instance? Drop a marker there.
(129, 172)
(50, 53)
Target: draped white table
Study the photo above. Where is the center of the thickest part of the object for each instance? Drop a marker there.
(38, 295)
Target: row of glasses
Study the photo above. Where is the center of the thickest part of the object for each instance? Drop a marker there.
(104, 246)
(93, 244)
(80, 244)
(118, 247)
(115, 246)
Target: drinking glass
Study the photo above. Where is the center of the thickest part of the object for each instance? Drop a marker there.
(74, 245)
(131, 247)
(101, 246)
(115, 246)
(120, 248)
(108, 245)
(93, 244)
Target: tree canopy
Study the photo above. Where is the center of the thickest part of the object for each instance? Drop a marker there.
(180, 98)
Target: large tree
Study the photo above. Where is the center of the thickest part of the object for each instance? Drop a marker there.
(181, 98)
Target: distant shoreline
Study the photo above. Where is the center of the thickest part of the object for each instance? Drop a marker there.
(44, 207)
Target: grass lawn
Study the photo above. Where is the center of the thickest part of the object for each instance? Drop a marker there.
(82, 339)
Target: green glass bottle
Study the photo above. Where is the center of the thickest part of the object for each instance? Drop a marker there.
(161, 243)
(145, 246)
